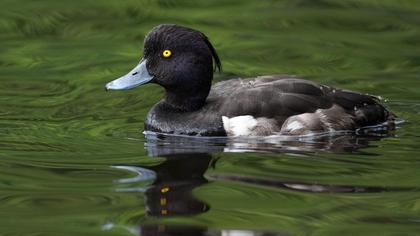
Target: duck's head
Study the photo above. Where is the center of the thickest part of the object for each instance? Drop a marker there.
(179, 59)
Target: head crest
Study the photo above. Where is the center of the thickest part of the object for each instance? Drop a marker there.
(217, 63)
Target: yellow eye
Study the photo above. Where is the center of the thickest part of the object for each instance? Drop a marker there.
(167, 53)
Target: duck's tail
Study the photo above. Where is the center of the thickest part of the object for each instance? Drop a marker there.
(366, 109)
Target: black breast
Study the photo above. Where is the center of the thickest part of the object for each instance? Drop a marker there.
(202, 122)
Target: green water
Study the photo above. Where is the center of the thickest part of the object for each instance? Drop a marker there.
(66, 145)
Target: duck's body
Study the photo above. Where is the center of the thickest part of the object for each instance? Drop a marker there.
(269, 105)
(239, 107)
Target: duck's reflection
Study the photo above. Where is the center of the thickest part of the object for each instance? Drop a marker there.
(176, 230)
(172, 230)
(171, 195)
(161, 144)
(171, 192)
(187, 159)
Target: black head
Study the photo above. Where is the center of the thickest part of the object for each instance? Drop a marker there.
(180, 59)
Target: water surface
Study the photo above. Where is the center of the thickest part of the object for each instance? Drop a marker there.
(74, 159)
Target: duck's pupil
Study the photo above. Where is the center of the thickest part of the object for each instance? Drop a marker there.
(135, 73)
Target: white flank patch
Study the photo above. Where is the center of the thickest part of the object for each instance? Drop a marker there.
(239, 125)
(237, 233)
(295, 125)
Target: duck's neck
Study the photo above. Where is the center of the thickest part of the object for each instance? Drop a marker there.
(186, 100)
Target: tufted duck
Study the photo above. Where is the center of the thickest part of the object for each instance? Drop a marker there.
(182, 60)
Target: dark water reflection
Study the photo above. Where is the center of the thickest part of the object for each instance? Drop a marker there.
(171, 195)
(176, 230)
(171, 192)
(345, 142)
(187, 159)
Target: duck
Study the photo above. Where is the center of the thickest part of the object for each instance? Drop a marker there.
(182, 61)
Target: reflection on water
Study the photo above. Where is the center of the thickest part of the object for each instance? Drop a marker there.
(340, 142)
(183, 230)
(171, 195)
(171, 192)
(307, 187)
(176, 230)
(186, 160)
